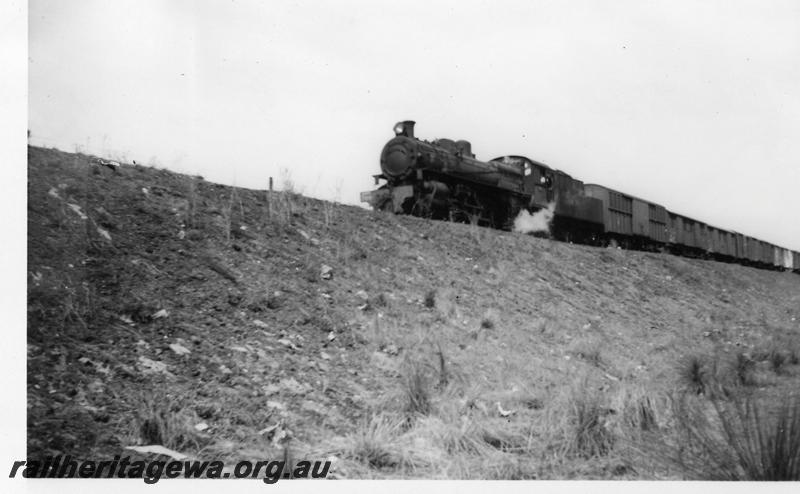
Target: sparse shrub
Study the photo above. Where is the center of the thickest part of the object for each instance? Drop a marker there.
(497, 439)
(266, 300)
(761, 355)
(64, 303)
(311, 273)
(379, 301)
(743, 440)
(446, 302)
(235, 298)
(694, 374)
(743, 369)
(287, 184)
(531, 402)
(191, 196)
(281, 208)
(416, 388)
(140, 311)
(328, 213)
(487, 323)
(274, 300)
(793, 358)
(357, 253)
(194, 235)
(227, 214)
(444, 375)
(323, 323)
(776, 360)
(430, 299)
(74, 190)
(645, 415)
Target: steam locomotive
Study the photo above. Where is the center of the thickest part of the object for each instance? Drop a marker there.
(442, 179)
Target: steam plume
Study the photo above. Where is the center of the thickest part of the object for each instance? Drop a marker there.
(536, 222)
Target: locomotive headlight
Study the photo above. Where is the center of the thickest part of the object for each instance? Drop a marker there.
(404, 128)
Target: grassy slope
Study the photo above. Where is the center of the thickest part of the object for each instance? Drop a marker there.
(480, 316)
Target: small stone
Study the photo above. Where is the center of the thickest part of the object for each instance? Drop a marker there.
(161, 314)
(326, 272)
(103, 233)
(149, 366)
(276, 404)
(179, 349)
(287, 343)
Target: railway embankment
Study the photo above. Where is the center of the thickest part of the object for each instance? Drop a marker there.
(227, 323)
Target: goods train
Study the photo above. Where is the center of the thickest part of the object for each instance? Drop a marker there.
(442, 179)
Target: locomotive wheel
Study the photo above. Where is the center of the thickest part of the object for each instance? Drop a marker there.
(458, 216)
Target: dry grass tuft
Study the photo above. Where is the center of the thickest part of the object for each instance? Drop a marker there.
(374, 443)
(379, 301)
(777, 359)
(191, 195)
(743, 370)
(590, 435)
(444, 374)
(161, 419)
(641, 409)
(793, 357)
(430, 299)
(694, 374)
(281, 208)
(738, 439)
(447, 305)
(577, 423)
(454, 437)
(416, 390)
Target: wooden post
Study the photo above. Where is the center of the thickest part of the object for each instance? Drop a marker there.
(270, 184)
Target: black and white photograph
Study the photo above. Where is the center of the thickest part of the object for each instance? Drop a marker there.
(297, 241)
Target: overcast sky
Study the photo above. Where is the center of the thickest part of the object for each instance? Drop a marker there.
(690, 104)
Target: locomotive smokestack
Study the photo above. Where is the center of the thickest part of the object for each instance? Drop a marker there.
(404, 128)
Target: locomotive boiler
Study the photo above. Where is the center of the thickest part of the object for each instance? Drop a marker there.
(442, 179)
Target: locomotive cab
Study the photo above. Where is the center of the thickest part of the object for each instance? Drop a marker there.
(538, 179)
